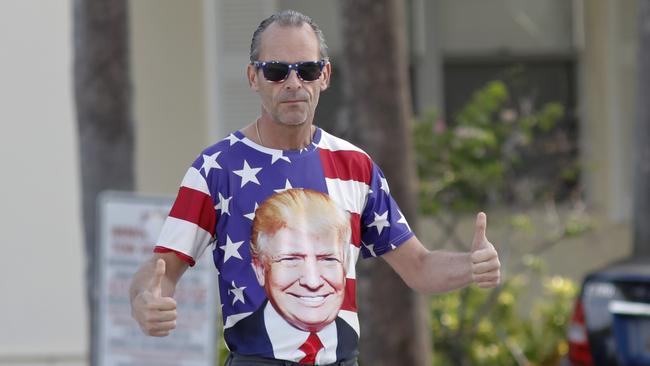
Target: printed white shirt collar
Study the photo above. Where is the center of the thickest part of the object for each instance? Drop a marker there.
(286, 339)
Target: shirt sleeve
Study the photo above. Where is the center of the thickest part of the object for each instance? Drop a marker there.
(190, 226)
(383, 227)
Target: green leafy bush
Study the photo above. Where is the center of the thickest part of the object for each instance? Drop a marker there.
(464, 164)
(478, 159)
(477, 327)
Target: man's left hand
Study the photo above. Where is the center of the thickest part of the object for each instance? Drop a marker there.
(486, 268)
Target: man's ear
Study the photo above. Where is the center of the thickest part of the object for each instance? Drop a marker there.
(327, 72)
(258, 268)
(253, 80)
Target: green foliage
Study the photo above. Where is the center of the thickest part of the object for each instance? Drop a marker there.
(222, 349)
(466, 331)
(576, 225)
(521, 222)
(461, 164)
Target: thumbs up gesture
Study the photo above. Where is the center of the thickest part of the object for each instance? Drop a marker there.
(486, 269)
(156, 314)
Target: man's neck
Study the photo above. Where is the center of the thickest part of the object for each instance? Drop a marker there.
(280, 136)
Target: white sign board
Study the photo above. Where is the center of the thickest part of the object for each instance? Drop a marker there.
(128, 228)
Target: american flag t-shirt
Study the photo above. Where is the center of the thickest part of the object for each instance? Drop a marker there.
(220, 192)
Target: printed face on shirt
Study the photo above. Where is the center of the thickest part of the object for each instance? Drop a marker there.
(303, 274)
(293, 101)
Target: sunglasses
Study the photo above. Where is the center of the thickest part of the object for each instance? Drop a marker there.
(278, 71)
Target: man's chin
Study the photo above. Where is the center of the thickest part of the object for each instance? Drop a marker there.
(293, 121)
(319, 318)
(293, 118)
(311, 325)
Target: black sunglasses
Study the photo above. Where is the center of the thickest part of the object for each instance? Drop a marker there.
(278, 71)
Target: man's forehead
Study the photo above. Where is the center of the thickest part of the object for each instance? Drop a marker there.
(289, 43)
(291, 240)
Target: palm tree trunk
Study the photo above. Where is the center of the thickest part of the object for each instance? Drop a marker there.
(394, 320)
(103, 104)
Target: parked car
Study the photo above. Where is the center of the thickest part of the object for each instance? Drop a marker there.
(610, 325)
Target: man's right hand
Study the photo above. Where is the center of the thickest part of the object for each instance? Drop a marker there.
(155, 313)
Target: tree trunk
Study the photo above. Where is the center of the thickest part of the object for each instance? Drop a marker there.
(103, 105)
(394, 320)
(641, 216)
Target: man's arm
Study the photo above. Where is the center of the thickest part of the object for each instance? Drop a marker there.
(440, 271)
(151, 291)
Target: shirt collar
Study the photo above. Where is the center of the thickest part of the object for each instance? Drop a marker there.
(286, 339)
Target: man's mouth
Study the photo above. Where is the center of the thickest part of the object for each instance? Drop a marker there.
(311, 299)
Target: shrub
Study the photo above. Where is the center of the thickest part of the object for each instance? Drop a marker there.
(478, 159)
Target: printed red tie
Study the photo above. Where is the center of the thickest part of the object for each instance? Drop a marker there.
(311, 347)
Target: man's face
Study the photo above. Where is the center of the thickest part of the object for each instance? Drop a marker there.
(293, 101)
(303, 275)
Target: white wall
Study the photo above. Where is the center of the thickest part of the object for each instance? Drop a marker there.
(43, 313)
(234, 22)
(43, 317)
(169, 80)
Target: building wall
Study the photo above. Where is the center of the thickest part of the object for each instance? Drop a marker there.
(43, 318)
(608, 91)
(169, 80)
(519, 27)
(236, 105)
(44, 315)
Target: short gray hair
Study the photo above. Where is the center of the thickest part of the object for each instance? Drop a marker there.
(286, 18)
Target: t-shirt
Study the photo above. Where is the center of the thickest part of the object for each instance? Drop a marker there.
(216, 206)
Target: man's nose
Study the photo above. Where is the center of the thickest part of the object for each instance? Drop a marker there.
(293, 81)
(310, 276)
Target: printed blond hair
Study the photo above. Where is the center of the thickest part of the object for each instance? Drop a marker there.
(300, 209)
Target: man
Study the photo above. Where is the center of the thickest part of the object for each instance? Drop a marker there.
(300, 250)
(283, 149)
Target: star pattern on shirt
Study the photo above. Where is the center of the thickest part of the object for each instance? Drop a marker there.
(231, 249)
(402, 220)
(209, 162)
(287, 185)
(384, 185)
(227, 164)
(223, 205)
(233, 139)
(380, 222)
(278, 155)
(371, 249)
(248, 174)
(237, 293)
(251, 216)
